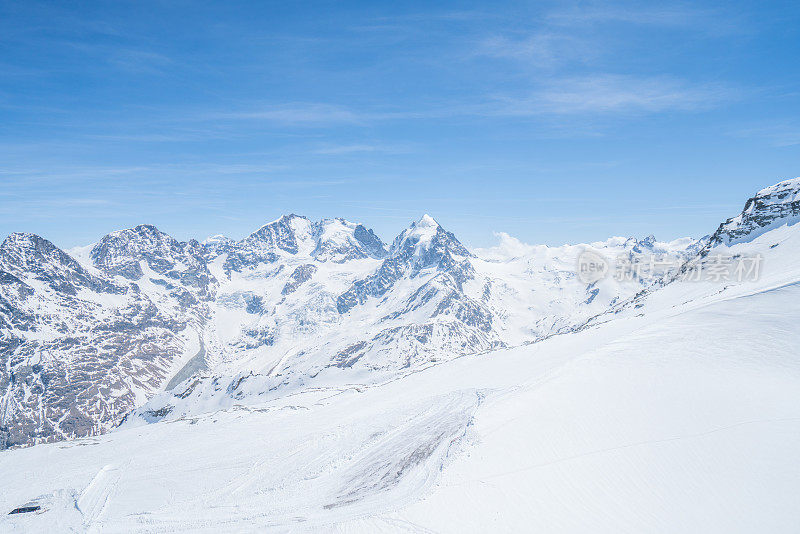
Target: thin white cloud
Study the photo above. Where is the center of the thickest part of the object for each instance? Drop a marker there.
(615, 94)
(55, 207)
(542, 49)
(676, 15)
(156, 137)
(299, 114)
(780, 134)
(142, 61)
(336, 150)
(25, 176)
(568, 34)
(570, 95)
(345, 149)
(127, 58)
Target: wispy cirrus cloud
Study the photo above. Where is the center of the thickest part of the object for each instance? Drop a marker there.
(568, 34)
(542, 49)
(334, 150)
(46, 176)
(665, 15)
(615, 94)
(298, 113)
(779, 134)
(566, 53)
(322, 114)
(139, 61)
(357, 148)
(554, 95)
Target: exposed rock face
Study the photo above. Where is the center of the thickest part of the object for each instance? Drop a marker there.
(425, 312)
(286, 234)
(300, 275)
(217, 245)
(28, 255)
(82, 344)
(339, 241)
(770, 207)
(371, 245)
(77, 349)
(425, 245)
(123, 253)
(334, 240)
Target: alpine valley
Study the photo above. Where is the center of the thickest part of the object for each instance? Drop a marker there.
(311, 377)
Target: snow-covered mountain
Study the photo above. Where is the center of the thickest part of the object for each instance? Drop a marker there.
(771, 207)
(140, 319)
(293, 322)
(685, 386)
(78, 349)
(334, 240)
(88, 338)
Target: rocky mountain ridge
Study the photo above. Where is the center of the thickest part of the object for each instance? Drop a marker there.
(772, 206)
(86, 339)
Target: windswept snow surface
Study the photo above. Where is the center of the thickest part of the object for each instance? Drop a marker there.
(679, 415)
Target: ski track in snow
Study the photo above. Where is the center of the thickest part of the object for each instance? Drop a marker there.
(385, 467)
(94, 499)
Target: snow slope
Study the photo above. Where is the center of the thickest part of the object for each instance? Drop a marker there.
(682, 414)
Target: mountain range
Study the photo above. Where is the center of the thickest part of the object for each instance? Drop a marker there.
(140, 327)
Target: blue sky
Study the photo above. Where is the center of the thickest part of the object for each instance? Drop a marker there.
(555, 122)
